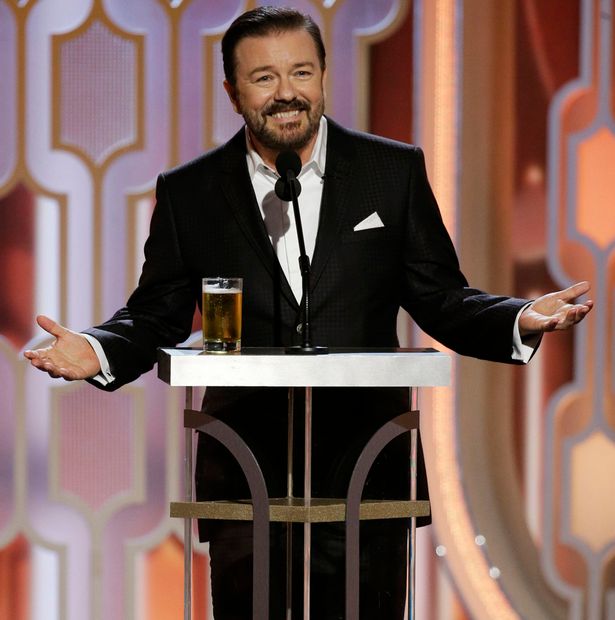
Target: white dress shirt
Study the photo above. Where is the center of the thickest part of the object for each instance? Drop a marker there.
(279, 215)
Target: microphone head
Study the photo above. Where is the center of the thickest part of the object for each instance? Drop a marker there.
(288, 165)
(288, 161)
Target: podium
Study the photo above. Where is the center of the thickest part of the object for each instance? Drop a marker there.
(271, 367)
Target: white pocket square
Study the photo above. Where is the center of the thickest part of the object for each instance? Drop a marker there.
(371, 221)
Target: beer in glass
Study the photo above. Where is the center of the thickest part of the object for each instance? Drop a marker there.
(221, 313)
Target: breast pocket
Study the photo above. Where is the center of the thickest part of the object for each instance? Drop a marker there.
(371, 235)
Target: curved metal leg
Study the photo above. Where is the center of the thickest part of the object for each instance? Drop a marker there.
(389, 431)
(260, 502)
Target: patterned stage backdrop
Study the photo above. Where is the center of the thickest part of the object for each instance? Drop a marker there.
(513, 102)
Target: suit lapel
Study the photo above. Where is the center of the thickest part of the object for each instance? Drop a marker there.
(335, 198)
(239, 193)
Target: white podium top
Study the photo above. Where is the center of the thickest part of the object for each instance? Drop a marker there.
(271, 367)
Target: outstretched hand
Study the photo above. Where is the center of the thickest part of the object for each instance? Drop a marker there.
(69, 356)
(555, 311)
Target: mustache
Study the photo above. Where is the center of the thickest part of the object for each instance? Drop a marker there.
(289, 106)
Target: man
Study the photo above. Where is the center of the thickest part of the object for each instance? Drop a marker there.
(377, 243)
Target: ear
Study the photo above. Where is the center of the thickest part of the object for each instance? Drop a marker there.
(232, 95)
(324, 83)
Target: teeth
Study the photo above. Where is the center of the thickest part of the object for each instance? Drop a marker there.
(286, 114)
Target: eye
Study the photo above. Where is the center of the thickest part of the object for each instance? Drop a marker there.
(263, 79)
(303, 73)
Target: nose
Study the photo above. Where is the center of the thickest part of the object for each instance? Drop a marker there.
(285, 90)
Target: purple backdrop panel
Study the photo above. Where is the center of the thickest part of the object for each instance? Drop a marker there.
(96, 445)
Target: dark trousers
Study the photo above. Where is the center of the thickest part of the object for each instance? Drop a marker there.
(343, 422)
(383, 574)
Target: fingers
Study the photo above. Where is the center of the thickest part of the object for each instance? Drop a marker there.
(550, 325)
(574, 291)
(46, 359)
(551, 312)
(578, 312)
(40, 359)
(573, 315)
(58, 373)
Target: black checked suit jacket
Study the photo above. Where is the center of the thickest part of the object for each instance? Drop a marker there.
(207, 222)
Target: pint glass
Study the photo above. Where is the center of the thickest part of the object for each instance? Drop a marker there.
(222, 314)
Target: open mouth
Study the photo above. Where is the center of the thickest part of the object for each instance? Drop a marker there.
(285, 115)
(289, 114)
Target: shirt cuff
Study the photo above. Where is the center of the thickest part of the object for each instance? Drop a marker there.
(523, 348)
(105, 376)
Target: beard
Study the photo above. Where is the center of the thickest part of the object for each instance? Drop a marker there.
(293, 135)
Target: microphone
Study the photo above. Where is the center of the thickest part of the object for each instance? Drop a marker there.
(288, 165)
(288, 161)
(287, 188)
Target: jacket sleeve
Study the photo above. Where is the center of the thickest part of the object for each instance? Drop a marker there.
(436, 293)
(159, 312)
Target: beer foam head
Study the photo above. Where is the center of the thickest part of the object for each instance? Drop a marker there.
(212, 288)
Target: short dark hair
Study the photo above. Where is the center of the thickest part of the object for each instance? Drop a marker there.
(261, 22)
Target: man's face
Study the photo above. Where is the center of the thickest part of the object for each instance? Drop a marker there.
(279, 90)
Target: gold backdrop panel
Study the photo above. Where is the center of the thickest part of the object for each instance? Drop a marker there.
(596, 188)
(593, 513)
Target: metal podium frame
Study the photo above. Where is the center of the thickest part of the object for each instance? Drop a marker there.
(271, 367)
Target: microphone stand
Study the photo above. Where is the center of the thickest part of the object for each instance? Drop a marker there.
(306, 347)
